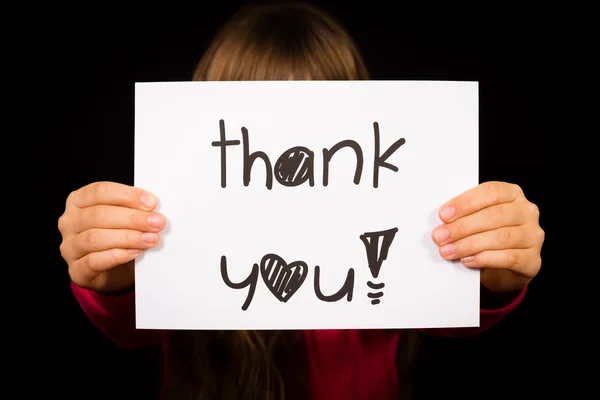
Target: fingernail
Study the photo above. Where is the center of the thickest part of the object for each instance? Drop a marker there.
(447, 213)
(135, 251)
(149, 237)
(448, 249)
(155, 220)
(468, 259)
(441, 234)
(148, 200)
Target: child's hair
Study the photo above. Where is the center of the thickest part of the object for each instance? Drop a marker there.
(281, 42)
(278, 41)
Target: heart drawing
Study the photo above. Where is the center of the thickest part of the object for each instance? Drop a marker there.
(282, 279)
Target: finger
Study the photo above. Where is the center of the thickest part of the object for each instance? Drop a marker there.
(111, 193)
(498, 239)
(526, 262)
(115, 217)
(104, 260)
(478, 198)
(95, 240)
(494, 217)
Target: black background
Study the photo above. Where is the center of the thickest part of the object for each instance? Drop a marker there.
(85, 63)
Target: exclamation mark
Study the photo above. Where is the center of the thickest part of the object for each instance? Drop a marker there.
(376, 255)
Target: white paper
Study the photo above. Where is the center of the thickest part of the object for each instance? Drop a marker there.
(179, 284)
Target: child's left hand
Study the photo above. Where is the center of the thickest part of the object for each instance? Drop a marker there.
(495, 228)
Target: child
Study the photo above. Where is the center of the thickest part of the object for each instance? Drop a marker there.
(106, 225)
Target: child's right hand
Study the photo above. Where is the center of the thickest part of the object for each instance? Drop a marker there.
(105, 226)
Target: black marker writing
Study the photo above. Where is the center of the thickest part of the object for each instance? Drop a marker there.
(380, 161)
(376, 255)
(327, 154)
(347, 288)
(295, 166)
(223, 143)
(249, 159)
(250, 281)
(282, 279)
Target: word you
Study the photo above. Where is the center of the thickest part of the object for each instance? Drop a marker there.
(284, 279)
(295, 166)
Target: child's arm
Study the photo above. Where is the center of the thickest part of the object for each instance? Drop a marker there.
(114, 315)
(494, 307)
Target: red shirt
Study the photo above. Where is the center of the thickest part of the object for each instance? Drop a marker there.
(343, 364)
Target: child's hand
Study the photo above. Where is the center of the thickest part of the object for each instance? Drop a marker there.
(495, 228)
(105, 226)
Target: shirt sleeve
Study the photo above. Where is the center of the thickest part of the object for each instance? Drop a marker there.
(494, 307)
(114, 315)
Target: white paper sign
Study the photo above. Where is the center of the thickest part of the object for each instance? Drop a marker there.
(304, 205)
